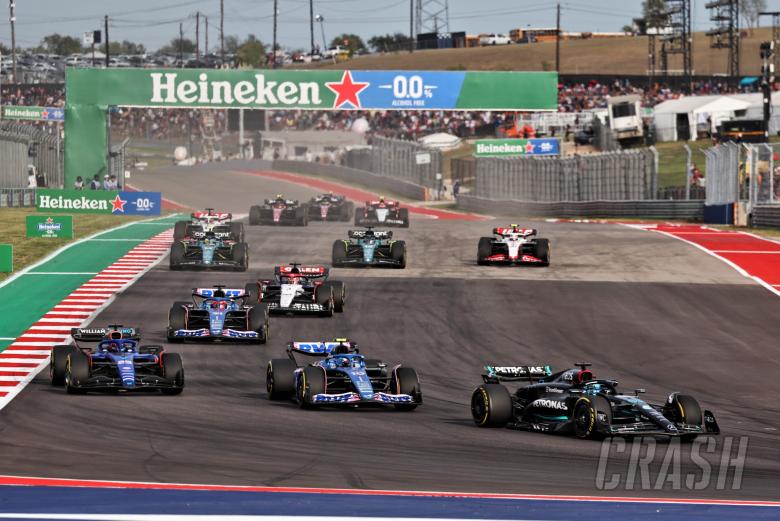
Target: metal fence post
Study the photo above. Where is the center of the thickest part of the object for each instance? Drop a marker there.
(688, 173)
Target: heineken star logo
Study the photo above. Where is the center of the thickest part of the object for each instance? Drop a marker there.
(118, 205)
(49, 220)
(529, 148)
(346, 91)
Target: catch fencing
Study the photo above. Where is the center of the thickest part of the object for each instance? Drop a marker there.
(23, 146)
(743, 172)
(403, 160)
(630, 175)
(17, 197)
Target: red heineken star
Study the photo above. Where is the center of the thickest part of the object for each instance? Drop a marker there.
(529, 148)
(346, 91)
(118, 204)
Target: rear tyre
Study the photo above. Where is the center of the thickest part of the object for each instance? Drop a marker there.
(405, 381)
(254, 215)
(280, 378)
(398, 253)
(177, 255)
(590, 412)
(177, 319)
(484, 250)
(180, 230)
(491, 405)
(77, 373)
(237, 231)
(312, 383)
(324, 297)
(347, 210)
(542, 251)
(241, 255)
(257, 320)
(403, 213)
(302, 216)
(339, 253)
(358, 219)
(173, 369)
(58, 363)
(339, 295)
(251, 291)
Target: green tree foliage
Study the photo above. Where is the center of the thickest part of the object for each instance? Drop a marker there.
(187, 45)
(126, 47)
(654, 12)
(389, 42)
(353, 43)
(62, 45)
(251, 53)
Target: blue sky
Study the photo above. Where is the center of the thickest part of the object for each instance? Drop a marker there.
(156, 22)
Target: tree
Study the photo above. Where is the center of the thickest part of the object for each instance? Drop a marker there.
(389, 42)
(187, 46)
(627, 29)
(61, 45)
(232, 43)
(251, 53)
(654, 12)
(126, 47)
(352, 42)
(4, 50)
(750, 9)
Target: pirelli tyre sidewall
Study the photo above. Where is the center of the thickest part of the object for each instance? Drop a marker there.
(592, 416)
(280, 378)
(491, 405)
(311, 383)
(58, 363)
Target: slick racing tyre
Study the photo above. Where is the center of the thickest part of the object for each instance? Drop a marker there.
(359, 218)
(491, 405)
(347, 209)
(301, 216)
(339, 295)
(254, 215)
(405, 381)
(684, 409)
(324, 297)
(177, 255)
(237, 232)
(542, 251)
(180, 230)
(177, 319)
(252, 292)
(280, 378)
(591, 413)
(241, 255)
(311, 383)
(173, 369)
(58, 363)
(339, 253)
(257, 320)
(403, 214)
(77, 373)
(398, 253)
(484, 250)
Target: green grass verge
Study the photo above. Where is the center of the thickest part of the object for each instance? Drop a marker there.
(27, 251)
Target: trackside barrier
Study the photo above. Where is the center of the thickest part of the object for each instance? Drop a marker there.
(351, 175)
(23, 145)
(766, 215)
(654, 209)
(17, 197)
(397, 159)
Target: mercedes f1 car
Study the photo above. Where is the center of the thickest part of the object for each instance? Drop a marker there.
(574, 402)
(209, 221)
(212, 250)
(297, 289)
(218, 313)
(369, 248)
(382, 212)
(342, 376)
(513, 245)
(117, 363)
(329, 207)
(279, 211)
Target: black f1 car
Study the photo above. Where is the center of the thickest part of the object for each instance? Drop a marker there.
(117, 363)
(209, 250)
(573, 401)
(209, 221)
(514, 245)
(369, 248)
(297, 289)
(341, 377)
(330, 207)
(382, 212)
(279, 211)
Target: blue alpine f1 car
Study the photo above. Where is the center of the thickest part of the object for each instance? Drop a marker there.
(117, 363)
(342, 376)
(369, 247)
(218, 313)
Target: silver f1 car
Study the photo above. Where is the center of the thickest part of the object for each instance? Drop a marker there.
(514, 245)
(209, 220)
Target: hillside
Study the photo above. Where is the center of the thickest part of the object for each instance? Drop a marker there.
(608, 56)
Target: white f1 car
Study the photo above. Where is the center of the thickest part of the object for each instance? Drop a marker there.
(513, 245)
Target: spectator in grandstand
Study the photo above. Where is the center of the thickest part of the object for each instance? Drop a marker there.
(95, 183)
(79, 183)
(106, 182)
(696, 175)
(31, 181)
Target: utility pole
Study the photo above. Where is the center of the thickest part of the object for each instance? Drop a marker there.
(273, 49)
(181, 45)
(411, 26)
(222, 30)
(558, 38)
(197, 38)
(767, 79)
(206, 43)
(311, 24)
(108, 62)
(775, 31)
(12, 19)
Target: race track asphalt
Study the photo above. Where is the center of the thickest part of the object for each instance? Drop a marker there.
(647, 310)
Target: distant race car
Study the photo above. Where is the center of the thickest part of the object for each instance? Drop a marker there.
(218, 313)
(513, 245)
(341, 377)
(209, 221)
(297, 289)
(117, 363)
(279, 211)
(329, 207)
(369, 247)
(382, 212)
(574, 402)
(212, 250)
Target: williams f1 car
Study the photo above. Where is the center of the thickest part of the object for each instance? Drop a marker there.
(117, 363)
(513, 245)
(382, 212)
(369, 248)
(329, 207)
(209, 221)
(209, 251)
(341, 376)
(279, 211)
(574, 402)
(297, 289)
(218, 313)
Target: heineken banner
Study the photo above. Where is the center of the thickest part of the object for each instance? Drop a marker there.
(98, 201)
(6, 258)
(517, 147)
(50, 226)
(34, 113)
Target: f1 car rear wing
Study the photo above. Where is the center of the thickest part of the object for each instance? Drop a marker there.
(514, 373)
(97, 334)
(287, 202)
(218, 292)
(308, 272)
(386, 202)
(362, 234)
(222, 233)
(321, 347)
(209, 212)
(514, 228)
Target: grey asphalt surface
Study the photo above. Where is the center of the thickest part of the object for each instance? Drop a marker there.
(646, 310)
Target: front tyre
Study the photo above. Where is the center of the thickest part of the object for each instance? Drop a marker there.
(592, 415)
(172, 369)
(58, 363)
(491, 405)
(257, 320)
(254, 215)
(542, 251)
(406, 381)
(339, 254)
(312, 383)
(484, 250)
(398, 254)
